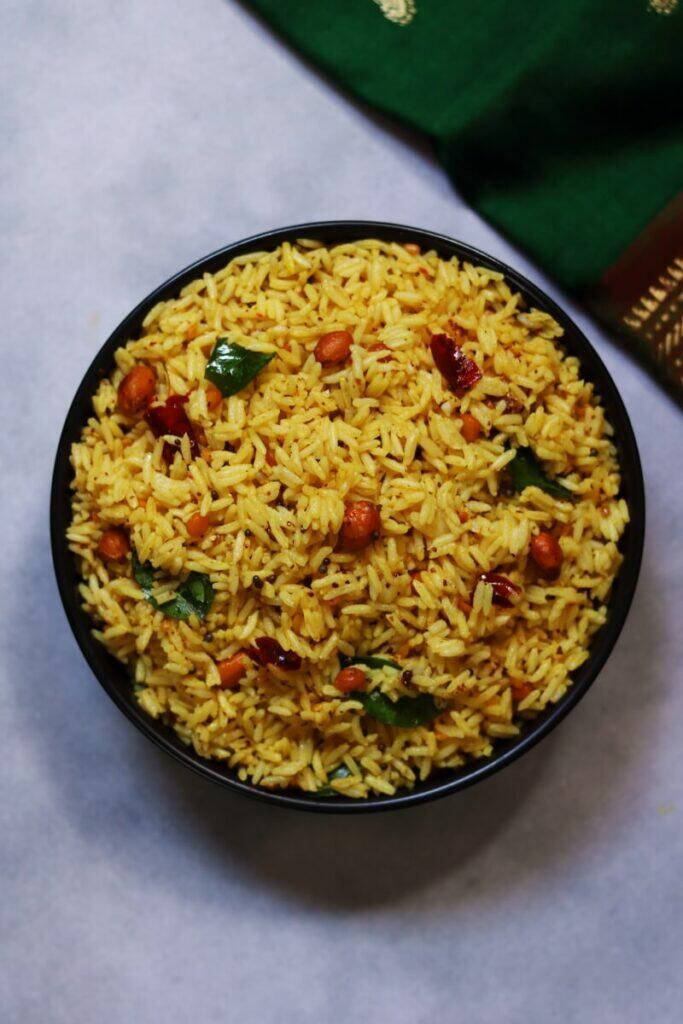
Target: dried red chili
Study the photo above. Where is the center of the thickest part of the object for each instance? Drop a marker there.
(459, 371)
(171, 419)
(504, 590)
(269, 652)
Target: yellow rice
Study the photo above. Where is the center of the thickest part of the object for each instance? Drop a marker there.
(383, 427)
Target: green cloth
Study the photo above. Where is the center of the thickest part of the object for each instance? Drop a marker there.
(559, 122)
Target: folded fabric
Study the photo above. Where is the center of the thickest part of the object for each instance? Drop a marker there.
(560, 123)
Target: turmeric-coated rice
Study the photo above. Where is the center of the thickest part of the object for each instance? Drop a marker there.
(269, 474)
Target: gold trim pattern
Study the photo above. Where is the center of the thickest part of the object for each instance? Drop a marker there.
(662, 6)
(641, 294)
(657, 317)
(401, 12)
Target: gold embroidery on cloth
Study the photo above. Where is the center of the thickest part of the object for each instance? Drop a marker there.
(657, 316)
(401, 12)
(663, 6)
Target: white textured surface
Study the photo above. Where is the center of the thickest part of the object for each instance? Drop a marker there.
(136, 137)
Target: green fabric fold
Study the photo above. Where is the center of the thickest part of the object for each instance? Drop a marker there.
(560, 123)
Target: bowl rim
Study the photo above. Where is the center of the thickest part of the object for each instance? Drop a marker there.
(443, 782)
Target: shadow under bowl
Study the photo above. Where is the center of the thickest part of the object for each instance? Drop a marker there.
(114, 676)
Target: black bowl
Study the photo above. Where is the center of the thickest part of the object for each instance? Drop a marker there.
(114, 677)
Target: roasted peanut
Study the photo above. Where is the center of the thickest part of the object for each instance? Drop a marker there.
(333, 347)
(231, 670)
(197, 525)
(113, 545)
(213, 397)
(361, 525)
(470, 427)
(546, 552)
(351, 679)
(136, 390)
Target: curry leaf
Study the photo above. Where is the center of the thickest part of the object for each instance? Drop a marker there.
(340, 772)
(144, 575)
(526, 471)
(231, 367)
(192, 597)
(406, 712)
(370, 661)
